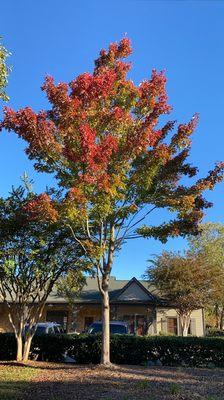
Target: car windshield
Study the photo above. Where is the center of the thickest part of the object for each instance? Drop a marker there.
(40, 330)
(114, 328)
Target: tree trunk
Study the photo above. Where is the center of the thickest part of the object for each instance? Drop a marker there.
(217, 317)
(104, 290)
(105, 354)
(185, 323)
(221, 322)
(185, 330)
(19, 353)
(26, 350)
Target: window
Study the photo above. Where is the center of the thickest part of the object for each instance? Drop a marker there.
(172, 325)
(88, 322)
(136, 324)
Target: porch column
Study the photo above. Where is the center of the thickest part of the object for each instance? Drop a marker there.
(150, 321)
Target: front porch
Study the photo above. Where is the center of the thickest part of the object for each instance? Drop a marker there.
(141, 319)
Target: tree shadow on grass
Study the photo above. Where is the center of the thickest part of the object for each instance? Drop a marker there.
(122, 383)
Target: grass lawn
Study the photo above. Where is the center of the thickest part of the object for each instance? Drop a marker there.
(45, 381)
(14, 380)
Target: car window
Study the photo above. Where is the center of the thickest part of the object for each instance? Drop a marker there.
(95, 328)
(121, 329)
(41, 330)
(114, 328)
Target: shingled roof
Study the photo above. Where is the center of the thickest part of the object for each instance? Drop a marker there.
(90, 293)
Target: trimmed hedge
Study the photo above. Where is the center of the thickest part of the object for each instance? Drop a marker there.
(7, 346)
(125, 349)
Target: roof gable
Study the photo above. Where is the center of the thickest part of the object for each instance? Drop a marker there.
(134, 291)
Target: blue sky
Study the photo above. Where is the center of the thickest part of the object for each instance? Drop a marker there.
(62, 38)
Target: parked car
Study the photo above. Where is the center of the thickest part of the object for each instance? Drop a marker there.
(47, 328)
(118, 327)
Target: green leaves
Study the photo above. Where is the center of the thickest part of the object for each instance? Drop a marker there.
(4, 71)
(186, 281)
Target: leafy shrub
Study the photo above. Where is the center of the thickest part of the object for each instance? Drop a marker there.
(214, 332)
(125, 349)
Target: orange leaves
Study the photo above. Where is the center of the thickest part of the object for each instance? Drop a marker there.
(41, 209)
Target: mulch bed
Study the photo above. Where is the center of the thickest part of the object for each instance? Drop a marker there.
(70, 382)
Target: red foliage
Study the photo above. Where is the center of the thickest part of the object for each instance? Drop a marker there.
(152, 94)
(116, 51)
(101, 132)
(87, 87)
(41, 209)
(76, 194)
(36, 129)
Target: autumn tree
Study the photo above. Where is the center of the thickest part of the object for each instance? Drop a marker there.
(116, 164)
(210, 244)
(4, 71)
(34, 253)
(186, 282)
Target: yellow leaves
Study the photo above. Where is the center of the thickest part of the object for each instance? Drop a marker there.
(189, 202)
(74, 206)
(184, 203)
(93, 249)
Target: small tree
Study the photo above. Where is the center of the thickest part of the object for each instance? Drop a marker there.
(69, 286)
(116, 166)
(4, 71)
(34, 253)
(210, 244)
(186, 282)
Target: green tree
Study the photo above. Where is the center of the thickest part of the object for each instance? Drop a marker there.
(34, 253)
(115, 165)
(185, 281)
(4, 71)
(210, 244)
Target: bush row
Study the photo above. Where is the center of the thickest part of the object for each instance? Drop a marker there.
(125, 349)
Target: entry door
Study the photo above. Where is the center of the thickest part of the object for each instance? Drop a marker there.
(172, 325)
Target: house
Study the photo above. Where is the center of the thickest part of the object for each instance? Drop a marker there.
(131, 301)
